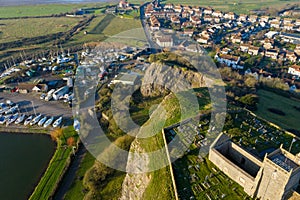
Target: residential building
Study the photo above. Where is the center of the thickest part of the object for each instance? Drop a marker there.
(244, 47)
(264, 18)
(287, 21)
(267, 43)
(207, 18)
(155, 24)
(253, 50)
(243, 17)
(291, 56)
(288, 27)
(217, 19)
(253, 18)
(217, 13)
(185, 14)
(198, 13)
(294, 70)
(169, 6)
(275, 24)
(178, 8)
(175, 20)
(271, 53)
(196, 8)
(208, 11)
(203, 40)
(195, 19)
(187, 24)
(297, 50)
(230, 15)
(225, 50)
(165, 41)
(229, 60)
(236, 39)
(123, 4)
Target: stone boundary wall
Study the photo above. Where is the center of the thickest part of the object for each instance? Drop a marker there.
(170, 166)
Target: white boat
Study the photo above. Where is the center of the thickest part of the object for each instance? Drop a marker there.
(28, 120)
(36, 119)
(20, 119)
(2, 105)
(6, 118)
(57, 122)
(76, 125)
(42, 121)
(12, 118)
(48, 122)
(12, 110)
(2, 119)
(4, 109)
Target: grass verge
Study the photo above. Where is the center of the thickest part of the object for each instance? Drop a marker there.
(77, 189)
(57, 166)
(269, 100)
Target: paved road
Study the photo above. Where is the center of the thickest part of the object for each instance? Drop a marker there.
(152, 44)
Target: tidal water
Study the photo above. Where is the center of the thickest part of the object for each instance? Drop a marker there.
(23, 160)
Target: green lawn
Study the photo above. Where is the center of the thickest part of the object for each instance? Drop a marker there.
(16, 29)
(271, 100)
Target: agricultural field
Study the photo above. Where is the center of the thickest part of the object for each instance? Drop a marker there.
(288, 118)
(16, 29)
(104, 26)
(82, 38)
(118, 25)
(41, 10)
(238, 7)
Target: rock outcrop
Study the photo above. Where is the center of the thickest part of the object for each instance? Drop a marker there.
(160, 78)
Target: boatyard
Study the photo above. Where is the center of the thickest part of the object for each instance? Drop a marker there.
(29, 110)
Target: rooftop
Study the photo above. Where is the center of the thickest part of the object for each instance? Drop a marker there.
(284, 162)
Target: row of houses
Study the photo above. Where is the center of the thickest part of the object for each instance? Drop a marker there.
(229, 60)
(268, 50)
(196, 14)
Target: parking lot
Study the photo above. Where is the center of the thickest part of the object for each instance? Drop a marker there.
(30, 103)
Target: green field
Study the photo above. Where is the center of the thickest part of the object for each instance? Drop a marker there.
(16, 29)
(41, 10)
(241, 6)
(271, 100)
(98, 29)
(104, 26)
(118, 25)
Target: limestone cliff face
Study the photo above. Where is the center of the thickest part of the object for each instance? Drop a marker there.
(160, 78)
(134, 185)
